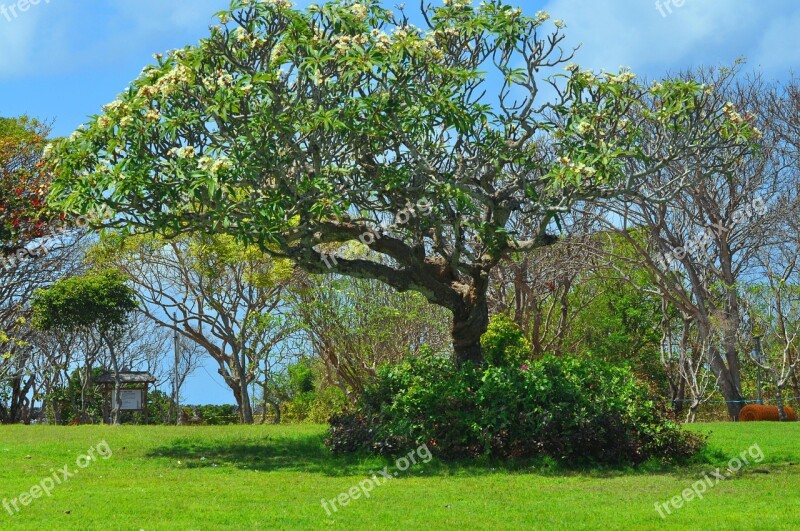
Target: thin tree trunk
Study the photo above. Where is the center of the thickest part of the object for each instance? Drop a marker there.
(727, 376)
(779, 400)
(245, 406)
(117, 405)
(277, 405)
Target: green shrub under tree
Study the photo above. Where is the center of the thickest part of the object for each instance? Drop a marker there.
(578, 412)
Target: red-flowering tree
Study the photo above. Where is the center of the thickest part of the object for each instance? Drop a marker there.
(23, 182)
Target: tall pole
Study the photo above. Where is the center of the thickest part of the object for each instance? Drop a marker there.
(759, 360)
(175, 396)
(760, 399)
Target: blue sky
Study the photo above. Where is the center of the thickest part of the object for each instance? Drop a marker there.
(63, 59)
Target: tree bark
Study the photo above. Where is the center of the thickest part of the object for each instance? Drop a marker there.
(245, 407)
(277, 405)
(731, 393)
(779, 400)
(470, 321)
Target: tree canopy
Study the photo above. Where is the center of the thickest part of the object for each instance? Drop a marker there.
(301, 131)
(101, 300)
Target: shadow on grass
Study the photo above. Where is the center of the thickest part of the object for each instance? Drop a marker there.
(307, 453)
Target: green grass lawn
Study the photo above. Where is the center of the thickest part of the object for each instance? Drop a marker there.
(265, 477)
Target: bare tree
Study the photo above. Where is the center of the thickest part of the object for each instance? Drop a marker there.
(355, 326)
(684, 357)
(211, 291)
(54, 256)
(772, 301)
(701, 243)
(534, 288)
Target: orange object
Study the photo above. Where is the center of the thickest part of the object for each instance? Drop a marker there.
(755, 412)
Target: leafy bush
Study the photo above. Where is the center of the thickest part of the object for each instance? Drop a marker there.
(216, 415)
(327, 402)
(311, 399)
(301, 377)
(315, 406)
(504, 344)
(576, 411)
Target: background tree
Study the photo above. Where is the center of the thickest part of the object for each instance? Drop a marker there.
(299, 129)
(772, 304)
(702, 242)
(354, 326)
(97, 303)
(223, 296)
(190, 358)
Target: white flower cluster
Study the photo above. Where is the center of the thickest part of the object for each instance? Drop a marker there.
(242, 36)
(401, 32)
(360, 11)
(623, 77)
(277, 52)
(584, 127)
(186, 152)
(730, 111)
(457, 3)
(280, 4)
(152, 116)
(168, 83)
(345, 42)
(214, 166)
(114, 106)
(577, 167)
(224, 79)
(382, 41)
(587, 77)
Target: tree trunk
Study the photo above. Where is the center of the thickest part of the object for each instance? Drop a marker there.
(678, 391)
(779, 400)
(245, 407)
(469, 324)
(87, 377)
(277, 405)
(727, 376)
(795, 383)
(691, 416)
(117, 405)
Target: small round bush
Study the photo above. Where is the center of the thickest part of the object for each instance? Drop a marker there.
(504, 344)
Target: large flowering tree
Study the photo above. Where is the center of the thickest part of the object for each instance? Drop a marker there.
(302, 131)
